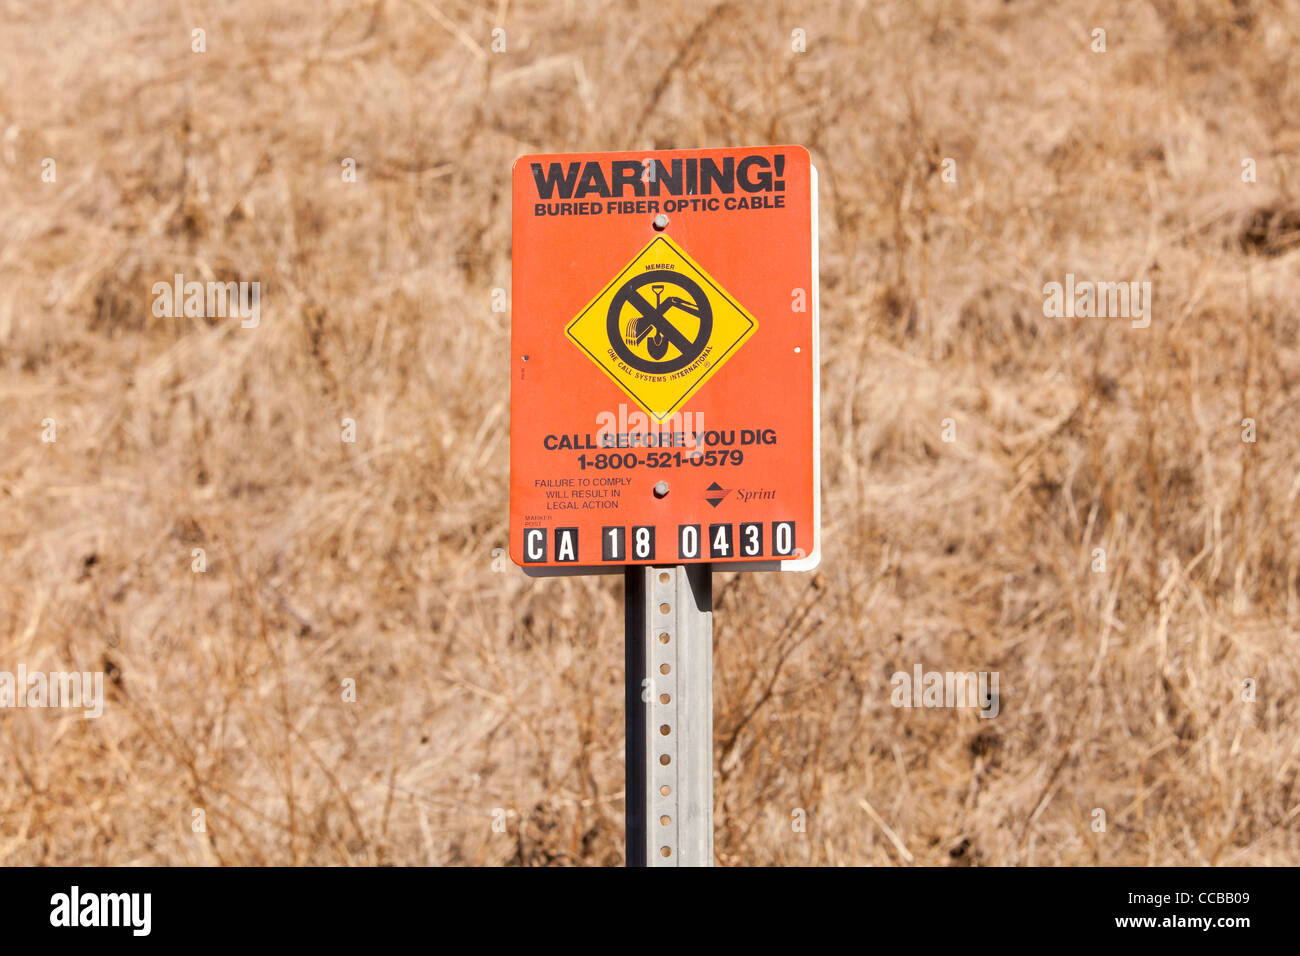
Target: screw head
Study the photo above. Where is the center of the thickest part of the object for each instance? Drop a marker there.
(661, 222)
(661, 489)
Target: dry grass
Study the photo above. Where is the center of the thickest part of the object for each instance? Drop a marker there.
(479, 689)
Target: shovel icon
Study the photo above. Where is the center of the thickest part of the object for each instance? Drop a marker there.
(634, 333)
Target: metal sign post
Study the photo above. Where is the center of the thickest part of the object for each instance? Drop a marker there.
(669, 715)
(664, 420)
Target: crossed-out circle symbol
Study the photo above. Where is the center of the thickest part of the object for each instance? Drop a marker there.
(652, 324)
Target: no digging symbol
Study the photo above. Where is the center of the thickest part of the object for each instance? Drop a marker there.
(661, 328)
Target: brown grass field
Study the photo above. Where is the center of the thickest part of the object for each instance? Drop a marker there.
(478, 688)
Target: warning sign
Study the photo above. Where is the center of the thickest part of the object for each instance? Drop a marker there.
(661, 328)
(664, 360)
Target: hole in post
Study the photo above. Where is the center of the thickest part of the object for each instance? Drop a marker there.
(664, 698)
(665, 760)
(664, 669)
(665, 790)
(665, 608)
(663, 638)
(664, 577)
(665, 730)
(665, 820)
(665, 851)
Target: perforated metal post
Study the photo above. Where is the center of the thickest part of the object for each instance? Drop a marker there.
(669, 715)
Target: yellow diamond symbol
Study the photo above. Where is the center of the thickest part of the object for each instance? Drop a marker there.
(661, 328)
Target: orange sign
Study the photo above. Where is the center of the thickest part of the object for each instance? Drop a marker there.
(664, 376)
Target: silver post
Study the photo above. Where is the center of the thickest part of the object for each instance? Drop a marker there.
(669, 715)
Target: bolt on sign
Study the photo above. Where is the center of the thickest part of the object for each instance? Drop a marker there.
(664, 360)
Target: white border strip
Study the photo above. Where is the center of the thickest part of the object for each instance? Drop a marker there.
(814, 559)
